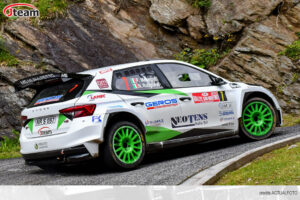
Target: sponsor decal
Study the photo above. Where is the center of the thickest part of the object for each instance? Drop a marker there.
(161, 104)
(96, 119)
(157, 122)
(226, 112)
(102, 83)
(228, 124)
(94, 97)
(48, 99)
(116, 106)
(12, 11)
(45, 131)
(225, 105)
(105, 71)
(208, 97)
(41, 145)
(189, 120)
(39, 78)
(226, 118)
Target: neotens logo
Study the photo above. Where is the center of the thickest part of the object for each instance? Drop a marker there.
(12, 11)
(188, 120)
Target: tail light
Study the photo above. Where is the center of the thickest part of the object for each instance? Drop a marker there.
(79, 111)
(23, 120)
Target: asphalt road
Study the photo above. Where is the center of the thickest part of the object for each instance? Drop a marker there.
(168, 167)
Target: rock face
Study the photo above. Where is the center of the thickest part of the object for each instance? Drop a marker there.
(97, 33)
(255, 58)
(230, 16)
(171, 12)
(11, 103)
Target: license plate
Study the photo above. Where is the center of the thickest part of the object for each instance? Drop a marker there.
(45, 121)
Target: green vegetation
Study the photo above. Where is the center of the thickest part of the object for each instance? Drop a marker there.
(201, 57)
(205, 4)
(10, 147)
(6, 57)
(291, 120)
(49, 9)
(280, 167)
(293, 51)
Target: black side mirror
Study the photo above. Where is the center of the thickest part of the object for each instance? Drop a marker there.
(218, 81)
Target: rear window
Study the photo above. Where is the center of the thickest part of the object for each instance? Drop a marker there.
(57, 93)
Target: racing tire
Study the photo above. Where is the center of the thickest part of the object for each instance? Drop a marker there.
(258, 120)
(124, 146)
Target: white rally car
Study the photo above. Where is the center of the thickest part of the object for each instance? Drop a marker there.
(119, 112)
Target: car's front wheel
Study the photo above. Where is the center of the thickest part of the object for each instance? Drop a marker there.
(258, 119)
(124, 146)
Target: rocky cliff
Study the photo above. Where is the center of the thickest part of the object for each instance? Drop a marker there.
(96, 33)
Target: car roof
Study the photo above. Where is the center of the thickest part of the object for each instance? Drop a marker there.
(134, 64)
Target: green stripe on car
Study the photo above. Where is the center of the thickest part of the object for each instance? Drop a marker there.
(158, 134)
(163, 91)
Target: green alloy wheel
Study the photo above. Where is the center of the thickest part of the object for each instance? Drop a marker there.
(127, 144)
(124, 147)
(258, 119)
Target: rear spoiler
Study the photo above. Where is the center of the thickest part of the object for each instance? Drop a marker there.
(38, 81)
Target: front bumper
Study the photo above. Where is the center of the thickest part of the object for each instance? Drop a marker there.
(62, 156)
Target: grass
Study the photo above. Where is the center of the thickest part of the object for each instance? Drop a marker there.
(291, 120)
(280, 167)
(6, 57)
(293, 51)
(201, 57)
(205, 4)
(10, 147)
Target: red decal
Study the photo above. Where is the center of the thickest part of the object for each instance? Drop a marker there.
(126, 83)
(75, 86)
(102, 83)
(91, 97)
(105, 71)
(206, 97)
(162, 106)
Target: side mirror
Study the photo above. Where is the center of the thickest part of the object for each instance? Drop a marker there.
(218, 81)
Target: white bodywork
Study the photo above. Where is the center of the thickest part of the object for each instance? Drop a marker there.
(89, 131)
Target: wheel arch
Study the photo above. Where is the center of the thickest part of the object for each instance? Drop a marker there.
(260, 94)
(125, 116)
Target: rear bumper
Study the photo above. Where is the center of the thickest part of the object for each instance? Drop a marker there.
(62, 156)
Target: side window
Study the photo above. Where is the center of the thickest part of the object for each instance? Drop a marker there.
(137, 78)
(184, 76)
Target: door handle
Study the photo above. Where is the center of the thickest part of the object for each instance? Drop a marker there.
(137, 103)
(185, 98)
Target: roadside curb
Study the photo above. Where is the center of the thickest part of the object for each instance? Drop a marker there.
(211, 175)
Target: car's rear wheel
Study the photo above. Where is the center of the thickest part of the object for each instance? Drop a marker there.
(258, 119)
(124, 146)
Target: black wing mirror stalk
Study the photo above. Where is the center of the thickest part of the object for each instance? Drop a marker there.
(218, 81)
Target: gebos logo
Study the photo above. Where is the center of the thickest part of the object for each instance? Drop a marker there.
(189, 120)
(161, 104)
(12, 11)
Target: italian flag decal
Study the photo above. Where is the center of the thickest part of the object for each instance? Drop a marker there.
(134, 83)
